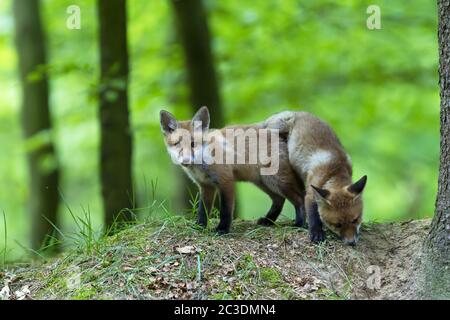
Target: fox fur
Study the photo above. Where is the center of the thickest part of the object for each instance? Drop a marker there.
(319, 159)
(221, 178)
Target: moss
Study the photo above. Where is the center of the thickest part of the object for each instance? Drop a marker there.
(325, 293)
(270, 275)
(246, 263)
(436, 276)
(217, 296)
(84, 293)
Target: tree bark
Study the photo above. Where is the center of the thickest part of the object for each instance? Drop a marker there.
(437, 281)
(193, 31)
(36, 121)
(116, 140)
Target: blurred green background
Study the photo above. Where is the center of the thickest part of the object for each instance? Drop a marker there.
(377, 88)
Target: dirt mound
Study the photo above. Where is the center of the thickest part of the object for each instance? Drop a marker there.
(173, 259)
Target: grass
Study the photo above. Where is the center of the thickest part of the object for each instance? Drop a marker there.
(172, 258)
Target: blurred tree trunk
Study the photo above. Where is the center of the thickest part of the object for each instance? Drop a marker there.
(437, 277)
(116, 140)
(193, 30)
(36, 122)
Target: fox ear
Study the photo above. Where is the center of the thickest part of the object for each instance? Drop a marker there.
(202, 116)
(358, 187)
(167, 121)
(321, 193)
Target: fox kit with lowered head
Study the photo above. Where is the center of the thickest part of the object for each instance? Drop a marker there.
(320, 160)
(216, 159)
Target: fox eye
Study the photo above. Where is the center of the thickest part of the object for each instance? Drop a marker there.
(338, 225)
(356, 219)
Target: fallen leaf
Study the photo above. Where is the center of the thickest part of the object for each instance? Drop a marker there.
(127, 268)
(5, 293)
(23, 293)
(191, 285)
(186, 249)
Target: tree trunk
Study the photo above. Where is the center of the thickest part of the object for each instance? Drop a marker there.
(36, 122)
(116, 140)
(193, 30)
(438, 242)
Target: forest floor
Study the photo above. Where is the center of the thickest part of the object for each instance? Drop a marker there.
(173, 259)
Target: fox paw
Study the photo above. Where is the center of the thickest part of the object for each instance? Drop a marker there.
(299, 224)
(202, 224)
(317, 236)
(221, 231)
(265, 222)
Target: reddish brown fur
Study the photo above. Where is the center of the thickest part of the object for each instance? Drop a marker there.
(340, 209)
(222, 177)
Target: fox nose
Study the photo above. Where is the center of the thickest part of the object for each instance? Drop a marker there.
(350, 242)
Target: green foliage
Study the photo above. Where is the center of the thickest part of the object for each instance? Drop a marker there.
(377, 88)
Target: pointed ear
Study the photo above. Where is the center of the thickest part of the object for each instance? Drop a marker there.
(358, 187)
(202, 115)
(168, 122)
(320, 193)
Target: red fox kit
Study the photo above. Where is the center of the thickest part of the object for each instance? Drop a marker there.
(320, 160)
(193, 145)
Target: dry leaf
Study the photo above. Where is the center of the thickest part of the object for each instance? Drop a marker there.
(5, 293)
(23, 293)
(186, 249)
(191, 285)
(127, 268)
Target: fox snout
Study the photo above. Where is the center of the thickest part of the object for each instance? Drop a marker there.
(350, 238)
(351, 241)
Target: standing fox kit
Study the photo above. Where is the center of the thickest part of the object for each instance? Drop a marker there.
(212, 177)
(317, 156)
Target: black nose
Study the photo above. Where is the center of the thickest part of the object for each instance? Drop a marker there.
(351, 242)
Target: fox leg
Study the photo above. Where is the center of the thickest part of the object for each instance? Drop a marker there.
(316, 233)
(300, 215)
(299, 212)
(226, 209)
(296, 197)
(206, 201)
(274, 211)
